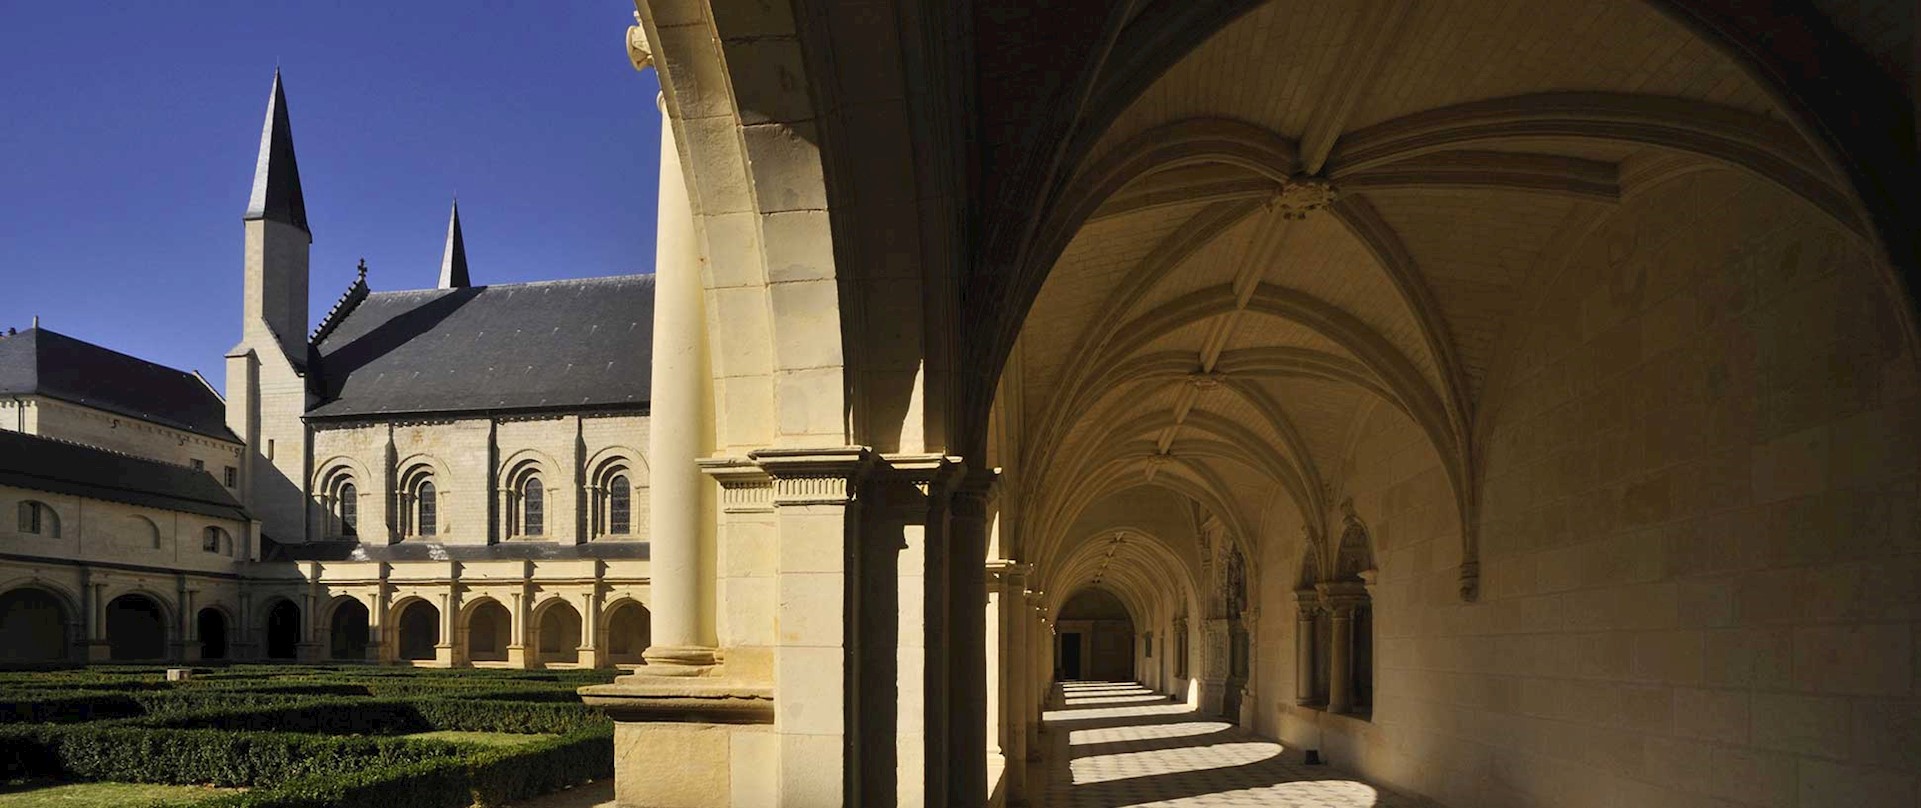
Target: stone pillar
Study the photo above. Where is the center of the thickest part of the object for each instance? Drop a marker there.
(449, 651)
(589, 653)
(1037, 673)
(517, 655)
(189, 626)
(1306, 602)
(1012, 616)
(967, 636)
(677, 425)
(1340, 599)
(379, 646)
(921, 705)
(1214, 667)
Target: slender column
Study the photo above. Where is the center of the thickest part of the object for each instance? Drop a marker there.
(1340, 696)
(1304, 648)
(517, 655)
(675, 423)
(967, 624)
(1012, 673)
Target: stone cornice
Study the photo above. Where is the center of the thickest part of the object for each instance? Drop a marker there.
(682, 699)
(810, 476)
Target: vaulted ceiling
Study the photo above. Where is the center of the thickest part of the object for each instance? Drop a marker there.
(1329, 207)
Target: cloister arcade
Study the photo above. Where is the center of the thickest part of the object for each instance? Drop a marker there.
(1468, 391)
(40, 625)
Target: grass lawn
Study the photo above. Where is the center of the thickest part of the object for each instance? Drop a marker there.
(99, 795)
(457, 736)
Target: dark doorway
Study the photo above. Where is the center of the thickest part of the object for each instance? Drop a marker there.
(33, 627)
(136, 629)
(283, 630)
(347, 632)
(1071, 655)
(212, 627)
(419, 630)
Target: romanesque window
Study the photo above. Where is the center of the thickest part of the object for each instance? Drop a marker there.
(426, 509)
(215, 540)
(349, 510)
(340, 502)
(619, 505)
(419, 506)
(533, 507)
(613, 499)
(38, 519)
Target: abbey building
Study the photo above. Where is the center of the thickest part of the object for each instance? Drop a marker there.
(444, 477)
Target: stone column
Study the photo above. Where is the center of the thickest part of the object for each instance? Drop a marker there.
(918, 492)
(589, 652)
(449, 651)
(1214, 665)
(1339, 695)
(1038, 668)
(517, 655)
(676, 426)
(1012, 615)
(1305, 602)
(967, 636)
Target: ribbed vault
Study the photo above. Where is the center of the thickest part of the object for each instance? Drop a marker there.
(1329, 208)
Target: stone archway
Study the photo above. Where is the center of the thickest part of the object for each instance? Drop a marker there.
(211, 626)
(418, 632)
(136, 628)
(33, 626)
(628, 633)
(283, 630)
(1095, 635)
(348, 631)
(489, 631)
(558, 634)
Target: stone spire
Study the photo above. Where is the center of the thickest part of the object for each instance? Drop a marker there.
(453, 262)
(276, 177)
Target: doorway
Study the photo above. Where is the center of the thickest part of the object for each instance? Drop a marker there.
(1071, 655)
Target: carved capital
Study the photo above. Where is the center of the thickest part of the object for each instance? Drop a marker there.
(639, 50)
(1006, 572)
(826, 476)
(744, 487)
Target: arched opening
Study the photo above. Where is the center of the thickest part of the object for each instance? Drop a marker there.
(560, 634)
(419, 626)
(211, 625)
(283, 630)
(1094, 636)
(39, 519)
(489, 632)
(347, 631)
(136, 629)
(33, 626)
(629, 632)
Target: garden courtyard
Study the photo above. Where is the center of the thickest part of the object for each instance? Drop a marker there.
(261, 736)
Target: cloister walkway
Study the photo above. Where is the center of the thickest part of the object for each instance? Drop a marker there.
(1119, 744)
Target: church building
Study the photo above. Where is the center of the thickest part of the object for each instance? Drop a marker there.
(442, 477)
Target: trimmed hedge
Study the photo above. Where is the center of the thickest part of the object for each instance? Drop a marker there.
(190, 757)
(388, 717)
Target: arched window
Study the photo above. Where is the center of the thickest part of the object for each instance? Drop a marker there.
(426, 509)
(142, 532)
(533, 507)
(619, 505)
(347, 509)
(215, 540)
(39, 519)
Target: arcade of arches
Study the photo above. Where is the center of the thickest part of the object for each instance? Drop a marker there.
(1514, 403)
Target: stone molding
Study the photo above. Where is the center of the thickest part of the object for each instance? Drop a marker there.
(682, 700)
(824, 476)
(744, 486)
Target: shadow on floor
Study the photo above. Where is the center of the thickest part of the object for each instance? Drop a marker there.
(1112, 744)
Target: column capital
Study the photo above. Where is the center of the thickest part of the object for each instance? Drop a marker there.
(815, 476)
(1009, 573)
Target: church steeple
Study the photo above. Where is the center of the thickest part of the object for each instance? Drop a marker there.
(276, 179)
(453, 262)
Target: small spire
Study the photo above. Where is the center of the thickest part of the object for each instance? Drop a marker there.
(453, 262)
(276, 177)
(363, 270)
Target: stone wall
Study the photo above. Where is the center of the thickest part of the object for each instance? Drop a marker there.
(1698, 532)
(472, 461)
(50, 418)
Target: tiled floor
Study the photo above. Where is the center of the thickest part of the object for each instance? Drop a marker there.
(1117, 744)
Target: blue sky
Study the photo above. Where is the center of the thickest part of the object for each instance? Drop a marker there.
(130, 129)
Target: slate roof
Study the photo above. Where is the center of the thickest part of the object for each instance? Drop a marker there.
(418, 551)
(40, 362)
(529, 346)
(276, 193)
(43, 464)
